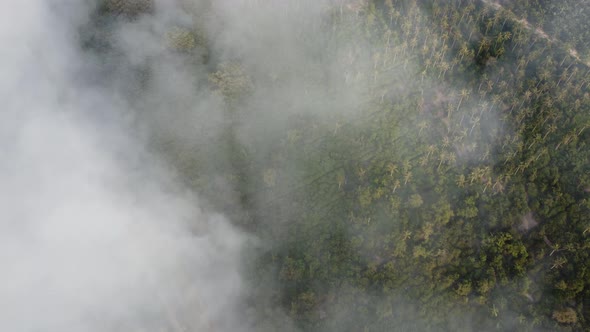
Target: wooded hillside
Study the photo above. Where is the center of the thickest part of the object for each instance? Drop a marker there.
(452, 192)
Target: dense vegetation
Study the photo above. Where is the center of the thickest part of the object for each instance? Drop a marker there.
(454, 195)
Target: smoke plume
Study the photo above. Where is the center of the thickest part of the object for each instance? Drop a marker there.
(96, 233)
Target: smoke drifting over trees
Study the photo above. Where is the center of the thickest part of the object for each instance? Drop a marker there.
(97, 233)
(265, 165)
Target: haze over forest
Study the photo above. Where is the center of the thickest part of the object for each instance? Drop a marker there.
(295, 165)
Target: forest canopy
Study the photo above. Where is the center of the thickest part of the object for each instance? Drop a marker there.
(407, 165)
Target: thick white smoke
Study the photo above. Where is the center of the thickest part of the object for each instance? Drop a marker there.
(95, 233)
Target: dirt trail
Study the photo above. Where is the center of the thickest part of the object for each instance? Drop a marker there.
(537, 31)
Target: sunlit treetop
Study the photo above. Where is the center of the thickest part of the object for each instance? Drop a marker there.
(231, 80)
(181, 39)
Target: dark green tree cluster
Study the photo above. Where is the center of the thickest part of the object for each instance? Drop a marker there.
(128, 7)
